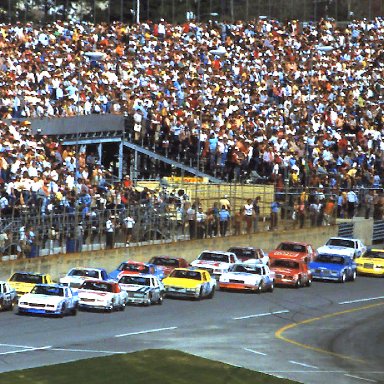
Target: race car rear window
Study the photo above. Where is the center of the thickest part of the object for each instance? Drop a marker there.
(341, 243)
(27, 278)
(208, 256)
(291, 247)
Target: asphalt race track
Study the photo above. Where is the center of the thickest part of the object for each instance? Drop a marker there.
(327, 333)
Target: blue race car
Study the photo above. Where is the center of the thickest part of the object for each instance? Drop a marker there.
(333, 267)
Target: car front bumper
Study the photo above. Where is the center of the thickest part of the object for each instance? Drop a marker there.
(39, 311)
(238, 286)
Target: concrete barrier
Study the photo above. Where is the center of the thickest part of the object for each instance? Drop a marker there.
(58, 265)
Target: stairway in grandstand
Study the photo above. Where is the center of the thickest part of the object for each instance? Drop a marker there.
(102, 129)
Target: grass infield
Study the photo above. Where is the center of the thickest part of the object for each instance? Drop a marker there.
(145, 367)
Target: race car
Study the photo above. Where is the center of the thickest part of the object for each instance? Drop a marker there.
(23, 282)
(248, 277)
(75, 276)
(104, 295)
(215, 262)
(8, 296)
(136, 267)
(168, 263)
(291, 272)
(142, 289)
(333, 266)
(372, 263)
(294, 250)
(190, 283)
(49, 299)
(250, 254)
(348, 247)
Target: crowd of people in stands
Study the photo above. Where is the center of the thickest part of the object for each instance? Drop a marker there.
(270, 100)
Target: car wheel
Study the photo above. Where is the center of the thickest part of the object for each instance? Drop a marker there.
(200, 294)
(161, 298)
(343, 278)
(63, 310)
(298, 283)
(354, 275)
(73, 311)
(260, 288)
(1, 306)
(210, 296)
(271, 287)
(309, 283)
(122, 306)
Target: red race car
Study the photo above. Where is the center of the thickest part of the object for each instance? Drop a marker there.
(291, 272)
(168, 263)
(294, 250)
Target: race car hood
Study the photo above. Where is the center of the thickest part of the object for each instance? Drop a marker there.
(22, 287)
(135, 288)
(211, 264)
(87, 293)
(41, 299)
(336, 250)
(180, 282)
(285, 271)
(246, 277)
(329, 266)
(288, 254)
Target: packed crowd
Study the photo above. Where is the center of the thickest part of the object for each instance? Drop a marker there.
(264, 97)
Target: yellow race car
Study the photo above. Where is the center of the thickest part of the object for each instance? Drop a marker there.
(23, 282)
(372, 263)
(192, 283)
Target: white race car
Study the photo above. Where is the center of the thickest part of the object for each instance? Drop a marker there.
(215, 262)
(49, 299)
(76, 276)
(104, 295)
(248, 277)
(348, 247)
(142, 288)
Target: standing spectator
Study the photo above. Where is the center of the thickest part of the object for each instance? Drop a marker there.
(329, 209)
(128, 224)
(201, 218)
(368, 204)
(275, 205)
(256, 211)
(352, 203)
(248, 215)
(224, 217)
(191, 216)
(109, 233)
(238, 219)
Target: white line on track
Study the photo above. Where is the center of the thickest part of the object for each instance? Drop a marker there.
(255, 352)
(360, 378)
(303, 364)
(27, 349)
(87, 350)
(260, 315)
(147, 331)
(361, 300)
(15, 346)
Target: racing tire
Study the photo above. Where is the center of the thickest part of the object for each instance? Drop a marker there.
(298, 283)
(73, 311)
(210, 296)
(1, 306)
(343, 278)
(271, 287)
(63, 310)
(260, 288)
(309, 283)
(354, 275)
(122, 307)
(198, 298)
(161, 299)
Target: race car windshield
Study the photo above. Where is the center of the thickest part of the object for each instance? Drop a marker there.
(242, 268)
(186, 275)
(375, 254)
(207, 256)
(27, 278)
(137, 280)
(134, 268)
(291, 247)
(341, 243)
(84, 272)
(97, 286)
(243, 254)
(332, 259)
(49, 291)
(164, 261)
(286, 264)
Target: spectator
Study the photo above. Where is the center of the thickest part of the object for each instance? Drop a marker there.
(224, 217)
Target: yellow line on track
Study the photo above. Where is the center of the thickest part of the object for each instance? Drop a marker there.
(279, 332)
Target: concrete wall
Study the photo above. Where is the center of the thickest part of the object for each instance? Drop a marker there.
(58, 265)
